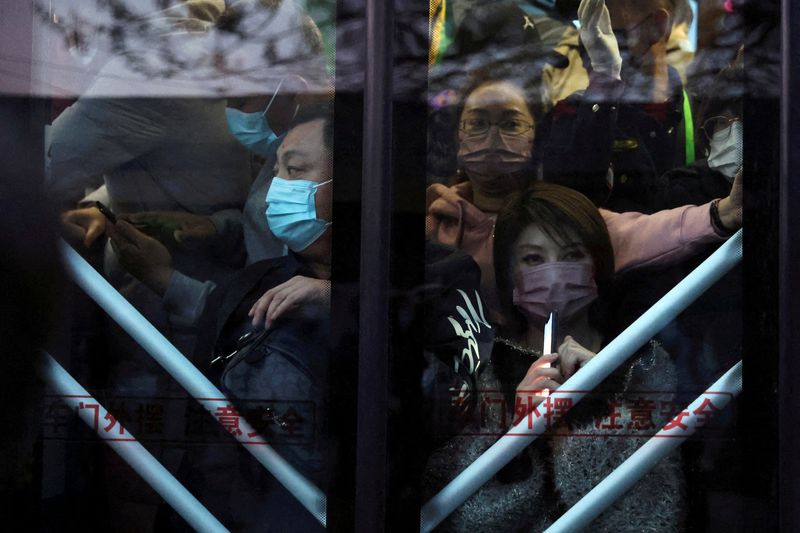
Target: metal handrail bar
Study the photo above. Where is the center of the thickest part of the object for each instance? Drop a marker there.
(128, 448)
(191, 379)
(672, 435)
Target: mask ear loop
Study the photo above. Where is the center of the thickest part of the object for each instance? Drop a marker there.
(318, 185)
(277, 89)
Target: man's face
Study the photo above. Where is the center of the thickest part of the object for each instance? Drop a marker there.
(303, 156)
(633, 28)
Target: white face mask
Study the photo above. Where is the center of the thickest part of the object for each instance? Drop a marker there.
(725, 150)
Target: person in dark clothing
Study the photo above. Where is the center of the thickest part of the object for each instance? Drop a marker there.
(615, 141)
(720, 139)
(282, 305)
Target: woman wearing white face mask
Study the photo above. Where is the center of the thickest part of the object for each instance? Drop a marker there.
(721, 141)
(553, 253)
(495, 144)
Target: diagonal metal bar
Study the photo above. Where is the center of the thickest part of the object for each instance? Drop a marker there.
(625, 476)
(594, 372)
(191, 379)
(128, 448)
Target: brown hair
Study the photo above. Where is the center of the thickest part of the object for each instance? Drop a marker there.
(560, 212)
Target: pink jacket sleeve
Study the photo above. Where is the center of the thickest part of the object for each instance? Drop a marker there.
(660, 239)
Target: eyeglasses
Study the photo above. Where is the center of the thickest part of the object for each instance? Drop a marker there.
(509, 126)
(720, 123)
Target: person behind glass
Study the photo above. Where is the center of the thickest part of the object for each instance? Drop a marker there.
(615, 141)
(720, 141)
(282, 305)
(298, 212)
(553, 253)
(494, 146)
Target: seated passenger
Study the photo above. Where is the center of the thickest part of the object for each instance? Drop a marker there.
(286, 364)
(297, 213)
(553, 253)
(495, 140)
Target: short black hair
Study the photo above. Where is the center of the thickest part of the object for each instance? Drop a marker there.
(317, 111)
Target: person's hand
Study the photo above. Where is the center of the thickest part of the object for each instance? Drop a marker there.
(541, 375)
(598, 38)
(85, 225)
(730, 208)
(186, 230)
(142, 256)
(289, 296)
(572, 356)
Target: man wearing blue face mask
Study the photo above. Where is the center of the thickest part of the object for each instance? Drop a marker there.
(298, 213)
(264, 333)
(258, 123)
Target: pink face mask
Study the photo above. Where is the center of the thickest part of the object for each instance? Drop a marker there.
(494, 154)
(564, 287)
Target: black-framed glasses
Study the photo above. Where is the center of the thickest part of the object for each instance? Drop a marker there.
(719, 123)
(481, 126)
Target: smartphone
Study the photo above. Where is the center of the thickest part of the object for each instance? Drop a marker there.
(106, 212)
(550, 334)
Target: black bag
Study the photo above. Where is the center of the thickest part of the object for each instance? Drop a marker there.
(458, 338)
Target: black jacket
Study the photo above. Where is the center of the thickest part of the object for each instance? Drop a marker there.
(615, 153)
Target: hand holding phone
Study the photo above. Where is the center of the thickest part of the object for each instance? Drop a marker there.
(106, 212)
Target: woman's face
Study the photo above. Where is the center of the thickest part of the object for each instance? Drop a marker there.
(535, 247)
(496, 130)
(552, 276)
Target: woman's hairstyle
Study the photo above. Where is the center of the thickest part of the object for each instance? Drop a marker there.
(560, 212)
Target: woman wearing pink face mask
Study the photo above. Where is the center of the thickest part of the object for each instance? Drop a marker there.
(494, 147)
(553, 252)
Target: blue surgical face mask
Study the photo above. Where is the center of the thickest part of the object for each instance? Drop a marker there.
(253, 130)
(292, 212)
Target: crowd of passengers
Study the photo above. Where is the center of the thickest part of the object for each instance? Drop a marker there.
(577, 169)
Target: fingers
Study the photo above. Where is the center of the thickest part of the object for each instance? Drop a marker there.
(96, 229)
(542, 368)
(123, 247)
(261, 310)
(73, 234)
(90, 220)
(280, 307)
(582, 10)
(286, 297)
(591, 13)
(539, 386)
(258, 312)
(736, 188)
(195, 233)
(572, 356)
(553, 374)
(544, 361)
(124, 230)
